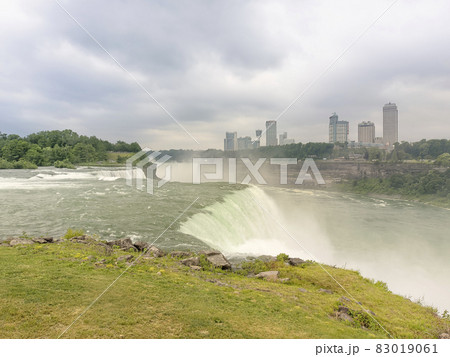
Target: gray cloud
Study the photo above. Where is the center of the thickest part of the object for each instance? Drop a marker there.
(219, 66)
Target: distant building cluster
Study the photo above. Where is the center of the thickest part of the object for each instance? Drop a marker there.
(339, 130)
(233, 143)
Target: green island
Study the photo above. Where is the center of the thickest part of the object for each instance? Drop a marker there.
(47, 284)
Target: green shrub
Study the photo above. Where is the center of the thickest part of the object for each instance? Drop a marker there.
(73, 233)
(5, 164)
(252, 267)
(282, 257)
(24, 164)
(64, 164)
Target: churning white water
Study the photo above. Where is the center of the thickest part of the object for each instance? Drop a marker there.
(402, 243)
(250, 222)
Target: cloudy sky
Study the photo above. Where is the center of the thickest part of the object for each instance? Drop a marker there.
(219, 66)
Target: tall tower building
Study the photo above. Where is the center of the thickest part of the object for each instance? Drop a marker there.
(390, 124)
(271, 133)
(338, 130)
(230, 142)
(257, 142)
(366, 132)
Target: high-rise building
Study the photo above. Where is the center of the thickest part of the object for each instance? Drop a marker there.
(390, 124)
(230, 142)
(283, 139)
(271, 133)
(338, 130)
(244, 143)
(366, 132)
(257, 142)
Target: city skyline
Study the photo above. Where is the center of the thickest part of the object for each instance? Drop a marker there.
(338, 132)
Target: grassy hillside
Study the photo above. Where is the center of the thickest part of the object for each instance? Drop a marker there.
(46, 286)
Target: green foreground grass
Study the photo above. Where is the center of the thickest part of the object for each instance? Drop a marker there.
(46, 287)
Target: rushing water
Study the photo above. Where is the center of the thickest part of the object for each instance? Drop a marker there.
(404, 244)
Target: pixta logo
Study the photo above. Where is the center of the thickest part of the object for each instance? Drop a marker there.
(141, 170)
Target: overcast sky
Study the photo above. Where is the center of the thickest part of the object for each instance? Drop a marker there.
(219, 66)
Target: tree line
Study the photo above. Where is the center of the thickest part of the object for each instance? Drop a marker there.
(59, 148)
(433, 183)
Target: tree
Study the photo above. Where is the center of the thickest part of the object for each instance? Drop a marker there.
(83, 153)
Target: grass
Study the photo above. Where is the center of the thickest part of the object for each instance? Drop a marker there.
(45, 287)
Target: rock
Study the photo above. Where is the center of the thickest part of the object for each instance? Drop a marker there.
(326, 291)
(20, 241)
(344, 309)
(4, 245)
(268, 275)
(191, 261)
(343, 298)
(444, 336)
(371, 312)
(295, 261)
(155, 251)
(344, 316)
(267, 258)
(124, 244)
(195, 267)
(99, 262)
(48, 239)
(141, 246)
(158, 273)
(302, 290)
(219, 261)
(284, 280)
(82, 241)
(125, 258)
(83, 237)
(39, 240)
(179, 254)
(210, 252)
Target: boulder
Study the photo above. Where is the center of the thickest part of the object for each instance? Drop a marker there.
(295, 261)
(326, 291)
(141, 246)
(125, 258)
(82, 241)
(83, 237)
(40, 240)
(268, 275)
(180, 254)
(194, 261)
(124, 244)
(267, 258)
(218, 260)
(20, 241)
(155, 252)
(195, 267)
(344, 316)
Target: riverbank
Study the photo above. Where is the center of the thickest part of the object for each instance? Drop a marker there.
(48, 283)
(431, 188)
